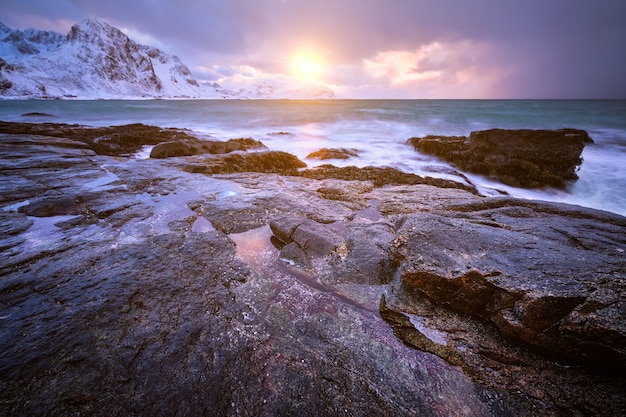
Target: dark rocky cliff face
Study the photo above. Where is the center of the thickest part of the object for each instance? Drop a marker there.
(143, 287)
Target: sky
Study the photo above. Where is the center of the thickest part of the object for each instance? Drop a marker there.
(374, 48)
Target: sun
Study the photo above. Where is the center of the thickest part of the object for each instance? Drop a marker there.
(307, 66)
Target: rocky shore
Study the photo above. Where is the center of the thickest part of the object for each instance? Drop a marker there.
(228, 279)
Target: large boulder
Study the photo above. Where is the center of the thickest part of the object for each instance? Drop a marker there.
(521, 158)
(333, 153)
(545, 275)
(189, 147)
(303, 239)
(169, 149)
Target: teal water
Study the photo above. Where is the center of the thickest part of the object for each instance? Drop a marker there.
(378, 129)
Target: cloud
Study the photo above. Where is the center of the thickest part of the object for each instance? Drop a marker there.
(508, 49)
(435, 61)
(439, 70)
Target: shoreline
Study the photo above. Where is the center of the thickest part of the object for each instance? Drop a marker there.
(380, 128)
(121, 289)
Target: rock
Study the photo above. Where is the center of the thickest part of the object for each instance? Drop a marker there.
(366, 258)
(534, 276)
(270, 161)
(128, 139)
(520, 382)
(169, 149)
(326, 153)
(521, 158)
(139, 312)
(199, 147)
(284, 227)
(49, 206)
(379, 176)
(144, 288)
(309, 238)
(241, 144)
(37, 114)
(111, 140)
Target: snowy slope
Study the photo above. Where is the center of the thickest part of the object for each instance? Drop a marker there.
(96, 60)
(271, 90)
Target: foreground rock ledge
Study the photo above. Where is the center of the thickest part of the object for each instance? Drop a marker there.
(122, 292)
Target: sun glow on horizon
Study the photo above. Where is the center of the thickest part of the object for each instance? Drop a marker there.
(307, 66)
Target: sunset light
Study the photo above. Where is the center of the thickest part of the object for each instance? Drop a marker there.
(307, 66)
(309, 208)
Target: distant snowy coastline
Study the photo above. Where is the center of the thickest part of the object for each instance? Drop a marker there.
(98, 61)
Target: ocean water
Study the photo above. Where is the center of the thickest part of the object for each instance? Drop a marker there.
(378, 130)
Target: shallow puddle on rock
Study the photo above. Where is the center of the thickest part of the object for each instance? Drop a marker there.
(16, 206)
(44, 232)
(102, 183)
(255, 248)
(202, 225)
(168, 208)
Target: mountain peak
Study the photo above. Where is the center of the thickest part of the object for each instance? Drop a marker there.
(97, 60)
(4, 28)
(93, 23)
(92, 30)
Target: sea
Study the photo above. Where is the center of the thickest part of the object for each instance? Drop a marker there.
(377, 129)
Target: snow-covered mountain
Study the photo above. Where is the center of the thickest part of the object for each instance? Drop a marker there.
(96, 60)
(268, 89)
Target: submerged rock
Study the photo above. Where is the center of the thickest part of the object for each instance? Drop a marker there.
(521, 158)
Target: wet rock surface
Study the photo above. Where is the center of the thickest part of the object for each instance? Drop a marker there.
(332, 153)
(141, 287)
(521, 158)
(533, 270)
(190, 147)
(111, 140)
(380, 176)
